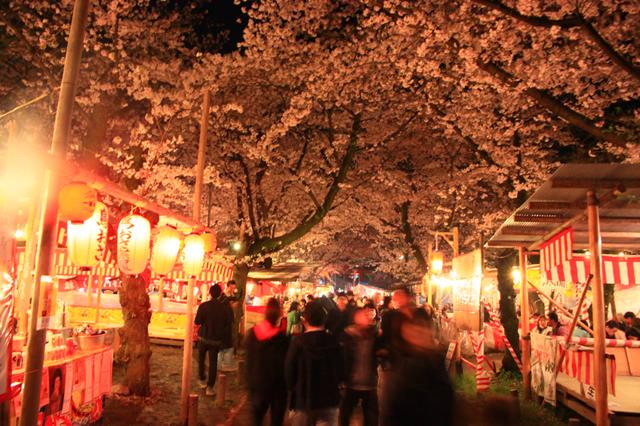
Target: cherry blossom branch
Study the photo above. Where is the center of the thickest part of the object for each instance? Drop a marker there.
(555, 106)
(269, 245)
(249, 192)
(408, 235)
(573, 21)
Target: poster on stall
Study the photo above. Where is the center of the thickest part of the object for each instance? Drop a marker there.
(47, 307)
(6, 336)
(543, 366)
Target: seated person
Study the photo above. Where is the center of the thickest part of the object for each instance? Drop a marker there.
(612, 331)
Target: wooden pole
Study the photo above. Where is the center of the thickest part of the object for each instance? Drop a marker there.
(197, 204)
(222, 390)
(456, 242)
(101, 277)
(559, 307)
(161, 295)
(600, 368)
(90, 288)
(49, 214)
(574, 322)
(193, 409)
(525, 342)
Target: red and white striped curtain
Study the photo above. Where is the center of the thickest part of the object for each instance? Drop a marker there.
(624, 271)
(557, 249)
(579, 365)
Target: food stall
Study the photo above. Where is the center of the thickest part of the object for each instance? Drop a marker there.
(90, 296)
(278, 281)
(584, 224)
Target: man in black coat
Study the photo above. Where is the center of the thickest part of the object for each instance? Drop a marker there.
(215, 319)
(314, 371)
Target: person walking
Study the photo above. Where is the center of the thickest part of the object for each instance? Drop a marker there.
(360, 344)
(314, 371)
(294, 325)
(215, 319)
(266, 348)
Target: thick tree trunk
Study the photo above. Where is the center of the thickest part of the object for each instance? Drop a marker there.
(240, 274)
(508, 315)
(136, 349)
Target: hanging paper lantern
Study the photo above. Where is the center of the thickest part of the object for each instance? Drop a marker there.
(87, 241)
(193, 253)
(77, 202)
(437, 262)
(210, 242)
(134, 237)
(166, 246)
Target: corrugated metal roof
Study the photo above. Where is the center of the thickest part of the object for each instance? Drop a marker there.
(561, 201)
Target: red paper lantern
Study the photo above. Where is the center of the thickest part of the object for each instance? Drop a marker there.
(76, 202)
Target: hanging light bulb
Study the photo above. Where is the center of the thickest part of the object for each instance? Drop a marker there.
(437, 262)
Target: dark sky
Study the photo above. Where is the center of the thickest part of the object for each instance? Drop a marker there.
(217, 24)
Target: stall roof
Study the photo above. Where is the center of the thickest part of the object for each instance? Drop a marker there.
(283, 272)
(561, 202)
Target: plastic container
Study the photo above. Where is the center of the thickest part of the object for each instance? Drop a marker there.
(90, 343)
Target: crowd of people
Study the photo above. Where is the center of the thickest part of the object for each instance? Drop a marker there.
(623, 327)
(325, 356)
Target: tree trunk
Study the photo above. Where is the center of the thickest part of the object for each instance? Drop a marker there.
(135, 351)
(240, 275)
(508, 315)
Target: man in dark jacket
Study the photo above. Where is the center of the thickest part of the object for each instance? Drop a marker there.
(360, 344)
(266, 346)
(313, 371)
(340, 317)
(215, 319)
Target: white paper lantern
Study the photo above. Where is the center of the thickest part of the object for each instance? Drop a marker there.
(166, 246)
(87, 241)
(193, 255)
(134, 241)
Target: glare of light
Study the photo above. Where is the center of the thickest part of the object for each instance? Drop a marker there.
(401, 257)
(19, 234)
(453, 274)
(587, 253)
(236, 246)
(517, 277)
(621, 254)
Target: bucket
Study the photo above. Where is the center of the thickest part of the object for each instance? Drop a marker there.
(90, 343)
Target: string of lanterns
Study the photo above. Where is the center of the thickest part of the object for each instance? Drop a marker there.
(137, 244)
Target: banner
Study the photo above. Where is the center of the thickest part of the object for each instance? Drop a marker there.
(544, 350)
(6, 336)
(557, 249)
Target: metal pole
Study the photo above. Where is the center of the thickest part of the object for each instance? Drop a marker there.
(525, 342)
(197, 204)
(49, 213)
(600, 368)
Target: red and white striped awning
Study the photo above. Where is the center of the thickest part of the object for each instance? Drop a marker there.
(557, 249)
(212, 270)
(624, 271)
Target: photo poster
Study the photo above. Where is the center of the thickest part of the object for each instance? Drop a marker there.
(56, 386)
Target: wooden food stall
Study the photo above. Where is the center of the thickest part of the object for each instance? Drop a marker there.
(584, 223)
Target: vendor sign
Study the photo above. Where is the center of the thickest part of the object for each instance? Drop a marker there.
(544, 351)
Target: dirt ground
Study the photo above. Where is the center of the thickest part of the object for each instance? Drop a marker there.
(162, 408)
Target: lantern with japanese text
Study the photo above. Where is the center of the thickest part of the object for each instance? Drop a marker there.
(437, 262)
(210, 242)
(87, 241)
(134, 238)
(77, 202)
(193, 255)
(166, 246)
